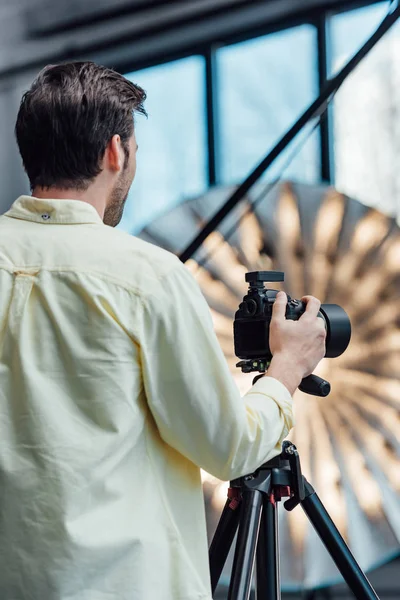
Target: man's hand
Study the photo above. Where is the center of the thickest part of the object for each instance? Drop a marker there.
(297, 346)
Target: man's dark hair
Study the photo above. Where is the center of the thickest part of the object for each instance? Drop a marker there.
(68, 117)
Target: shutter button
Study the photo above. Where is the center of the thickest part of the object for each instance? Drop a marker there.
(45, 216)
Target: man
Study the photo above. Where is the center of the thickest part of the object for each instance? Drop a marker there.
(114, 390)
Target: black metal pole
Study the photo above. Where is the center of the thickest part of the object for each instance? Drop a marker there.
(337, 548)
(316, 108)
(245, 552)
(222, 541)
(323, 76)
(267, 573)
(212, 121)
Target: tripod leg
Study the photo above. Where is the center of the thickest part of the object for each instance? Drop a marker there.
(268, 578)
(246, 544)
(222, 540)
(336, 546)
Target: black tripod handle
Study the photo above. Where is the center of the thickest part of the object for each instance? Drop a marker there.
(314, 385)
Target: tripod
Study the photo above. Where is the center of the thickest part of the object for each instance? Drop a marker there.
(252, 507)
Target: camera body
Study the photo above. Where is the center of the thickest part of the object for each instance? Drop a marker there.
(253, 319)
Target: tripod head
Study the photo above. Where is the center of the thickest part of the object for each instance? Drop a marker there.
(278, 478)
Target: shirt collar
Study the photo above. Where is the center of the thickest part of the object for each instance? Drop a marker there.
(40, 210)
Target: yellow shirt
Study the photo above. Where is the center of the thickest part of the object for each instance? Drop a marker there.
(113, 393)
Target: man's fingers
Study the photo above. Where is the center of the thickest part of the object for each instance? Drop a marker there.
(312, 306)
(279, 307)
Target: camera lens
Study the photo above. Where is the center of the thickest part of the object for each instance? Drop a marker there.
(338, 329)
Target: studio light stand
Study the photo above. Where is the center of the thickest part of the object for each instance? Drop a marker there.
(252, 509)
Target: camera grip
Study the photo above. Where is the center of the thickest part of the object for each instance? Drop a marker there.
(314, 385)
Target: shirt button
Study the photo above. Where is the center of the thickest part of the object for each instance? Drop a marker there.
(45, 216)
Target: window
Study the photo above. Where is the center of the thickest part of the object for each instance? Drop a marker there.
(264, 85)
(350, 30)
(171, 160)
(367, 111)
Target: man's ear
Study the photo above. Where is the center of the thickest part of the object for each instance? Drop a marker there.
(114, 154)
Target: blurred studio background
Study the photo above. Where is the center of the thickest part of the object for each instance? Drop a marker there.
(226, 79)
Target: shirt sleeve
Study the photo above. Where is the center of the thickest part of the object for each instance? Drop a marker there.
(192, 394)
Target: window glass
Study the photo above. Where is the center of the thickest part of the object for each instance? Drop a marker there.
(264, 85)
(171, 160)
(350, 30)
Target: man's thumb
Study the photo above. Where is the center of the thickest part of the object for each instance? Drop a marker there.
(279, 308)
